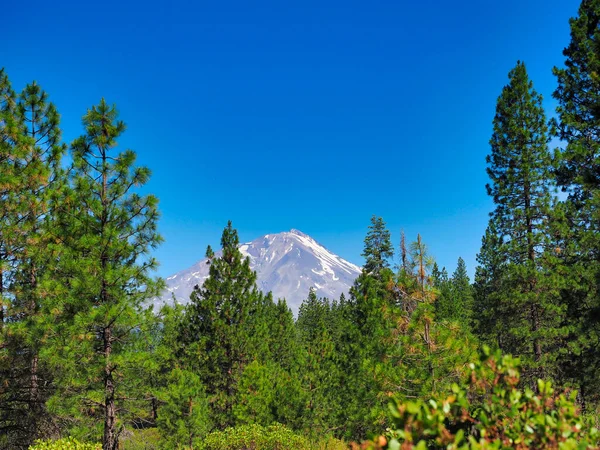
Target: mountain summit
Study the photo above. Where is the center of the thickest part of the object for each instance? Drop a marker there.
(287, 264)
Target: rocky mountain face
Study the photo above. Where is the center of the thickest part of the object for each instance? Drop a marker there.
(287, 264)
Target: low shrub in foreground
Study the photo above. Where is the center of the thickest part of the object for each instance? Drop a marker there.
(143, 439)
(64, 444)
(490, 411)
(256, 437)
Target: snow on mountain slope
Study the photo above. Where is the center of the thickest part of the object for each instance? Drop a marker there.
(287, 264)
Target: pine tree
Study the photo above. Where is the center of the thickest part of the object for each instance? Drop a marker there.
(153, 357)
(11, 411)
(378, 247)
(519, 168)
(462, 293)
(443, 302)
(430, 354)
(366, 342)
(275, 371)
(281, 336)
(371, 294)
(320, 374)
(8, 182)
(218, 330)
(183, 419)
(31, 139)
(578, 124)
(488, 326)
(105, 231)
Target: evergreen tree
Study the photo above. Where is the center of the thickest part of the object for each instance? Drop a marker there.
(281, 334)
(443, 301)
(10, 412)
(367, 341)
(105, 231)
(9, 134)
(258, 395)
(320, 374)
(152, 359)
(218, 330)
(430, 354)
(8, 181)
(275, 372)
(378, 247)
(183, 419)
(578, 233)
(462, 293)
(487, 325)
(519, 168)
(31, 171)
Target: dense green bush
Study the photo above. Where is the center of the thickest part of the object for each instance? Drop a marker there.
(145, 439)
(256, 437)
(490, 410)
(329, 443)
(64, 444)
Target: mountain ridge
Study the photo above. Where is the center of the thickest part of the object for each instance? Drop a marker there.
(288, 264)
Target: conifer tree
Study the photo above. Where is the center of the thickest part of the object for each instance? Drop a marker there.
(519, 168)
(378, 247)
(487, 325)
(370, 316)
(371, 295)
(275, 371)
(354, 403)
(443, 302)
(320, 377)
(153, 357)
(280, 335)
(578, 174)
(430, 353)
(183, 419)
(11, 429)
(462, 293)
(31, 139)
(7, 182)
(218, 330)
(105, 230)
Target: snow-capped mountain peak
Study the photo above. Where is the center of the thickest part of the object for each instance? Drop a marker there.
(287, 264)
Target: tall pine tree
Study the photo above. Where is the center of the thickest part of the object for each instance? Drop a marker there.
(431, 353)
(462, 293)
(519, 167)
(218, 329)
(488, 276)
(378, 247)
(31, 139)
(104, 234)
(578, 124)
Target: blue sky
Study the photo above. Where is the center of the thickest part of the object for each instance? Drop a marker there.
(312, 115)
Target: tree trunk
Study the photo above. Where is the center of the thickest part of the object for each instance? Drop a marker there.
(34, 383)
(109, 441)
(34, 396)
(154, 405)
(1, 296)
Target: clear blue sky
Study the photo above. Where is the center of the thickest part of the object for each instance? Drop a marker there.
(312, 115)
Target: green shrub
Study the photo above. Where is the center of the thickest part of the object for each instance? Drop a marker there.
(330, 443)
(64, 444)
(256, 437)
(146, 439)
(490, 411)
